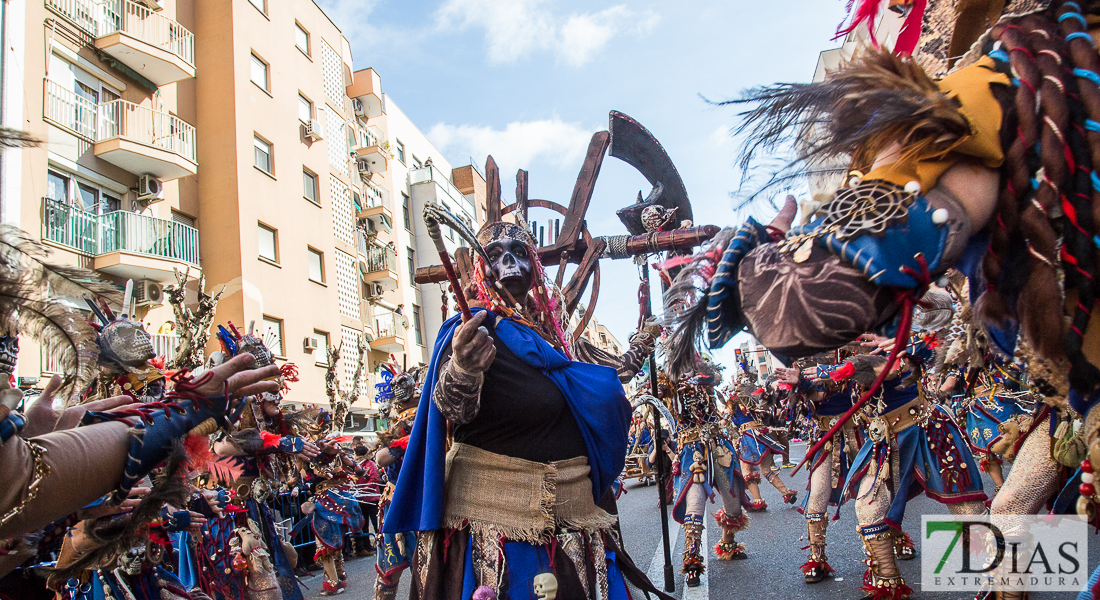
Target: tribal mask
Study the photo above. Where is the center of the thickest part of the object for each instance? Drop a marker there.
(509, 248)
(9, 350)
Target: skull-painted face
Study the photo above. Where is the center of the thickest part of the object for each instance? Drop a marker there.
(9, 350)
(511, 262)
(126, 343)
(271, 402)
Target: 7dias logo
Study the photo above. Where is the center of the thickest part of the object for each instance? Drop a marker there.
(1004, 553)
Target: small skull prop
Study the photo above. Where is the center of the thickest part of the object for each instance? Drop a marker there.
(9, 351)
(546, 586)
(255, 346)
(877, 429)
(126, 344)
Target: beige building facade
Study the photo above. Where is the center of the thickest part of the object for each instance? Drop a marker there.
(231, 138)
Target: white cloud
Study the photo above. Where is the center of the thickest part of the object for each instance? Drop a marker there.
(515, 29)
(518, 145)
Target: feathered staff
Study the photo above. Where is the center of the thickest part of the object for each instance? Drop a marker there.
(36, 300)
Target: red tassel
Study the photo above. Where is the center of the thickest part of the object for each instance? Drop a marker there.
(911, 29)
(866, 12)
(844, 372)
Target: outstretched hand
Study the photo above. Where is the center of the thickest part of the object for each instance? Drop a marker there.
(42, 418)
(240, 378)
(473, 348)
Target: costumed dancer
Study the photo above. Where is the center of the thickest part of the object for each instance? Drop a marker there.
(258, 459)
(755, 449)
(989, 170)
(333, 512)
(913, 445)
(399, 398)
(992, 404)
(706, 466)
(828, 467)
(512, 508)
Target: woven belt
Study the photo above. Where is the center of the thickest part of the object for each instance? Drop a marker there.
(905, 416)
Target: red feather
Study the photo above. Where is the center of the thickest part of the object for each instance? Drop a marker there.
(866, 12)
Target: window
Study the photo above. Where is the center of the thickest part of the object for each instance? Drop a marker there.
(400, 150)
(416, 326)
(259, 73)
(301, 38)
(260, 4)
(450, 231)
(316, 266)
(273, 331)
(305, 109)
(57, 187)
(183, 219)
(405, 210)
(412, 265)
(309, 186)
(416, 164)
(263, 155)
(269, 248)
(320, 355)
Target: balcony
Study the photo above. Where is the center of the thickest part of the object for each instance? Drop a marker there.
(158, 48)
(367, 89)
(390, 329)
(145, 141)
(137, 138)
(122, 243)
(442, 192)
(378, 264)
(376, 212)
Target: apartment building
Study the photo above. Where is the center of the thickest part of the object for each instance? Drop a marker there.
(294, 212)
(107, 88)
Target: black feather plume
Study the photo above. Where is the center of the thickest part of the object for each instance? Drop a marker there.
(685, 309)
(37, 299)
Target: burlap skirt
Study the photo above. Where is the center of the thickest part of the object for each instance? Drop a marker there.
(508, 520)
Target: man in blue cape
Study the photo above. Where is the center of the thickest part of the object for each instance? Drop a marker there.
(516, 504)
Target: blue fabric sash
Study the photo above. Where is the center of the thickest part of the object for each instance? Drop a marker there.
(593, 393)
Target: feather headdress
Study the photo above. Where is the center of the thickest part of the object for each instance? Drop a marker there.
(876, 99)
(37, 299)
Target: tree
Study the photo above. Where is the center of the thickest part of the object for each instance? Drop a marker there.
(339, 401)
(192, 326)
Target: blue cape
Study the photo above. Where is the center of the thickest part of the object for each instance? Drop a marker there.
(593, 393)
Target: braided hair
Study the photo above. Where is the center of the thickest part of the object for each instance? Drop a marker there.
(1043, 237)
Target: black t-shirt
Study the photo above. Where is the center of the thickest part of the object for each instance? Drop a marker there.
(523, 413)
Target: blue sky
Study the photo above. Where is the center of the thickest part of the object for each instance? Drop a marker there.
(529, 81)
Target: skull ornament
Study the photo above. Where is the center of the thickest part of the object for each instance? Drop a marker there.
(9, 351)
(877, 429)
(656, 217)
(255, 346)
(125, 344)
(546, 586)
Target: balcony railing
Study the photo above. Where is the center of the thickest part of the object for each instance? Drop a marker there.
(70, 226)
(117, 231)
(147, 25)
(165, 345)
(373, 195)
(68, 110)
(119, 119)
(379, 258)
(135, 20)
(81, 12)
(431, 173)
(390, 324)
(126, 120)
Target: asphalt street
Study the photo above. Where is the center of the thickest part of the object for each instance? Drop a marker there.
(774, 543)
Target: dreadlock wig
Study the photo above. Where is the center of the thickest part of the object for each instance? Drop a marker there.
(542, 309)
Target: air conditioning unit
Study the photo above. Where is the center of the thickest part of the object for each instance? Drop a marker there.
(149, 189)
(358, 105)
(311, 343)
(313, 130)
(149, 293)
(364, 167)
(375, 290)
